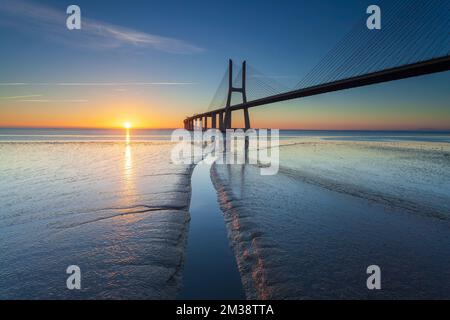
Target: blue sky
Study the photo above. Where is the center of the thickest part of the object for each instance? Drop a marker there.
(175, 52)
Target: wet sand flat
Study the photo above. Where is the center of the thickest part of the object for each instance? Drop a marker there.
(117, 210)
(335, 208)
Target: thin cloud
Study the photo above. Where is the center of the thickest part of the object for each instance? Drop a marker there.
(124, 83)
(55, 101)
(27, 15)
(28, 98)
(21, 97)
(81, 84)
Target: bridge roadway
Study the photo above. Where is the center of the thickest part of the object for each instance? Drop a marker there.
(397, 73)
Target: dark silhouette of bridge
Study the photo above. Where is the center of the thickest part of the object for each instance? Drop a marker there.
(404, 48)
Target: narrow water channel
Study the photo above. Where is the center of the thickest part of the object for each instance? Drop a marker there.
(210, 270)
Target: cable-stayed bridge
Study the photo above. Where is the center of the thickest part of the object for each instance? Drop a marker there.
(414, 40)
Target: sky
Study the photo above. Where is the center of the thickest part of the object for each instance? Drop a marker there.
(152, 63)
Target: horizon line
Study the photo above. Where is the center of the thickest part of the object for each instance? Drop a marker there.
(174, 128)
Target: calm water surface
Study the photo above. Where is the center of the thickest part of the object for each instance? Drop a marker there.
(112, 203)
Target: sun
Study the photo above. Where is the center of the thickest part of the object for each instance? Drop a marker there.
(127, 125)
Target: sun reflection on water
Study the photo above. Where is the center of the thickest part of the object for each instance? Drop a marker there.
(128, 158)
(129, 183)
(128, 171)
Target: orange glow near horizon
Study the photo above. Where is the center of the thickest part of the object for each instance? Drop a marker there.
(135, 114)
(128, 112)
(104, 109)
(264, 121)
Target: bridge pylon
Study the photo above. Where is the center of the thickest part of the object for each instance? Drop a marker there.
(231, 89)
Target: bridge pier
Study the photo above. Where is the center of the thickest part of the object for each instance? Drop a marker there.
(228, 112)
(244, 95)
(200, 121)
(227, 120)
(213, 120)
(221, 124)
(247, 119)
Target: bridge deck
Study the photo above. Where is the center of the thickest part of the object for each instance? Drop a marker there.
(402, 72)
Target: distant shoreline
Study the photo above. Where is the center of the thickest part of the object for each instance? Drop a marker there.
(281, 130)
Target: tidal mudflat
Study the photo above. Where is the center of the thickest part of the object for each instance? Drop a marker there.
(337, 206)
(116, 209)
(119, 209)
